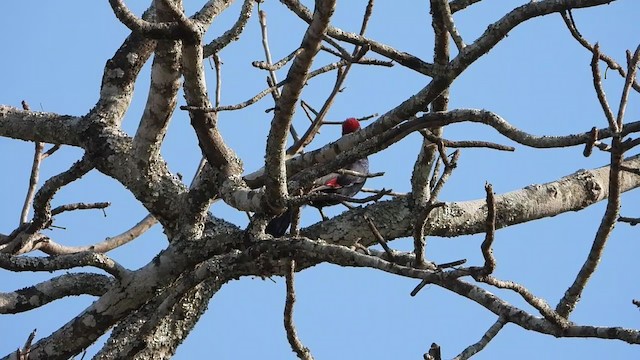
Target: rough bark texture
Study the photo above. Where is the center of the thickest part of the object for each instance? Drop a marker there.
(151, 310)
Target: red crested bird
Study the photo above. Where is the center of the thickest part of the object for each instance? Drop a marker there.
(346, 185)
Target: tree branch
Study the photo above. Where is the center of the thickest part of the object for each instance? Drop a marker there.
(61, 262)
(276, 180)
(56, 288)
(296, 345)
(486, 338)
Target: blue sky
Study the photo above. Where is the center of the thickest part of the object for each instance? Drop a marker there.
(538, 79)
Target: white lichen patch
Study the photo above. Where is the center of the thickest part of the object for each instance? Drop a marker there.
(34, 300)
(132, 57)
(115, 73)
(89, 321)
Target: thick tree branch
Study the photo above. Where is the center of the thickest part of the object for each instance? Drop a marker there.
(153, 30)
(131, 293)
(40, 126)
(56, 288)
(570, 193)
(61, 262)
(163, 93)
(276, 180)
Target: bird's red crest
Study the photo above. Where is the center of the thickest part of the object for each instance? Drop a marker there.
(350, 125)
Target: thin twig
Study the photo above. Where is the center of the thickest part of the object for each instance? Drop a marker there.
(262, 18)
(51, 151)
(464, 143)
(597, 84)
(296, 345)
(359, 174)
(447, 17)
(386, 192)
(265, 92)
(419, 241)
(79, 206)
(233, 33)
(632, 69)
(320, 196)
(630, 170)
(490, 230)
(611, 64)
(217, 63)
(110, 243)
(23, 354)
(33, 178)
(307, 109)
(572, 295)
(367, 15)
(629, 220)
(273, 79)
(380, 238)
(538, 303)
(42, 199)
(486, 338)
(278, 65)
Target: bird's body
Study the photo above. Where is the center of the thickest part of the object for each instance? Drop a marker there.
(347, 185)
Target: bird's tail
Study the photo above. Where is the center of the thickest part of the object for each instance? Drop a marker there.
(279, 225)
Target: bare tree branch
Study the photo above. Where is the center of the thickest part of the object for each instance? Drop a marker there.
(275, 184)
(56, 288)
(597, 84)
(233, 33)
(567, 16)
(61, 262)
(53, 248)
(163, 93)
(486, 338)
(296, 345)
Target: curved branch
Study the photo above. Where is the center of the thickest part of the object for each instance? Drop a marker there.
(320, 251)
(42, 201)
(612, 64)
(486, 338)
(210, 10)
(232, 34)
(159, 30)
(57, 288)
(53, 248)
(607, 223)
(61, 262)
(402, 58)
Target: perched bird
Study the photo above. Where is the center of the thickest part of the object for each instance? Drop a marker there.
(347, 185)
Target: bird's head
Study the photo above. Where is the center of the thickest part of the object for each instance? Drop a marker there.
(350, 125)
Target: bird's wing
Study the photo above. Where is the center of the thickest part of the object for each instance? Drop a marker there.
(327, 181)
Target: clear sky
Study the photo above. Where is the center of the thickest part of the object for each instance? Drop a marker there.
(538, 79)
